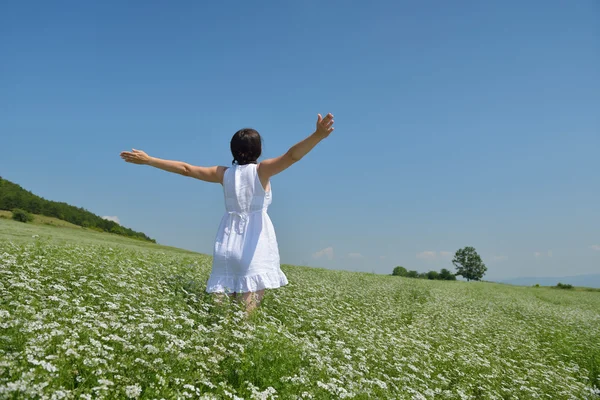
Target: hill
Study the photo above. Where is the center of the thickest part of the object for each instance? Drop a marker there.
(14, 196)
(92, 315)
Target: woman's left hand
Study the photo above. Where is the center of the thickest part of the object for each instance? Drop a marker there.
(135, 157)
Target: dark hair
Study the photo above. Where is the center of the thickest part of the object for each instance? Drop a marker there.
(246, 146)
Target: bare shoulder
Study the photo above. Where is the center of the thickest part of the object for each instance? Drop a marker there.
(273, 166)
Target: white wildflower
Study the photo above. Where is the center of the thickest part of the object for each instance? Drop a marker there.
(133, 391)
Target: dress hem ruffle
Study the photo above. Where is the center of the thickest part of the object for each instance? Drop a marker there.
(242, 284)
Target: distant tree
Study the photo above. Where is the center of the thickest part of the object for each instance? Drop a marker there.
(422, 275)
(412, 274)
(34, 205)
(400, 271)
(563, 286)
(433, 275)
(21, 215)
(469, 264)
(446, 275)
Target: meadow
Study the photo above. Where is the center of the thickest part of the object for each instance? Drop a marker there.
(88, 315)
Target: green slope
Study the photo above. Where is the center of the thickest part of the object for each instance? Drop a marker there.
(43, 220)
(56, 233)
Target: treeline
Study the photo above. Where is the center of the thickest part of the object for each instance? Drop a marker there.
(443, 275)
(13, 196)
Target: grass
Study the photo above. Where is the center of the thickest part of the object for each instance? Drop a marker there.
(91, 315)
(43, 220)
(55, 233)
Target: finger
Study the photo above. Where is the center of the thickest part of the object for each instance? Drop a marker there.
(319, 118)
(327, 118)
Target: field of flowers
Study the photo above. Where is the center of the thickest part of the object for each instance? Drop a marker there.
(85, 317)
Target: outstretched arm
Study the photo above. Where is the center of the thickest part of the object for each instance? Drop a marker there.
(208, 174)
(273, 166)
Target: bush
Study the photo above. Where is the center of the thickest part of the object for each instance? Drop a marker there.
(412, 274)
(21, 215)
(563, 286)
(433, 275)
(446, 275)
(117, 229)
(400, 271)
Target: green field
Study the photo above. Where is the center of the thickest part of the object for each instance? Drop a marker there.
(93, 315)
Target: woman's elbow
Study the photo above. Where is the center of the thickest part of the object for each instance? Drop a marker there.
(185, 170)
(293, 157)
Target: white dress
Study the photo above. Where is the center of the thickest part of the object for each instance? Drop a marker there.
(246, 255)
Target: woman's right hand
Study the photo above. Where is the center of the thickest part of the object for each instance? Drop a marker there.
(324, 125)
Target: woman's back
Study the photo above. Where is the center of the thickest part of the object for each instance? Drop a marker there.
(243, 190)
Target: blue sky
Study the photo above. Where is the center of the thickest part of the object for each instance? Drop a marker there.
(457, 123)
